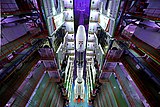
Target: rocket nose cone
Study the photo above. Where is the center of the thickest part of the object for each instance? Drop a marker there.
(81, 38)
(81, 33)
(81, 27)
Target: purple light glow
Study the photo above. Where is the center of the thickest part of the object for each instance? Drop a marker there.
(81, 13)
(81, 17)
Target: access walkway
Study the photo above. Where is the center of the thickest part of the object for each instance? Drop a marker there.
(28, 86)
(47, 94)
(12, 83)
(147, 86)
(128, 87)
(110, 95)
(152, 52)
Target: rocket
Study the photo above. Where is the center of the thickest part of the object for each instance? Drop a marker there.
(79, 88)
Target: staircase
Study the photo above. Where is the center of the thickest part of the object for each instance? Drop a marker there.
(110, 95)
(47, 94)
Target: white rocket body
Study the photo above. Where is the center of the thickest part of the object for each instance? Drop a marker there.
(79, 88)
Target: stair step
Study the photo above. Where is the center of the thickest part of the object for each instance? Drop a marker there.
(45, 96)
(51, 95)
(40, 91)
(53, 102)
(112, 97)
(106, 97)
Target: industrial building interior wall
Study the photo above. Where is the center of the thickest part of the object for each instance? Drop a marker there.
(134, 23)
(24, 23)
